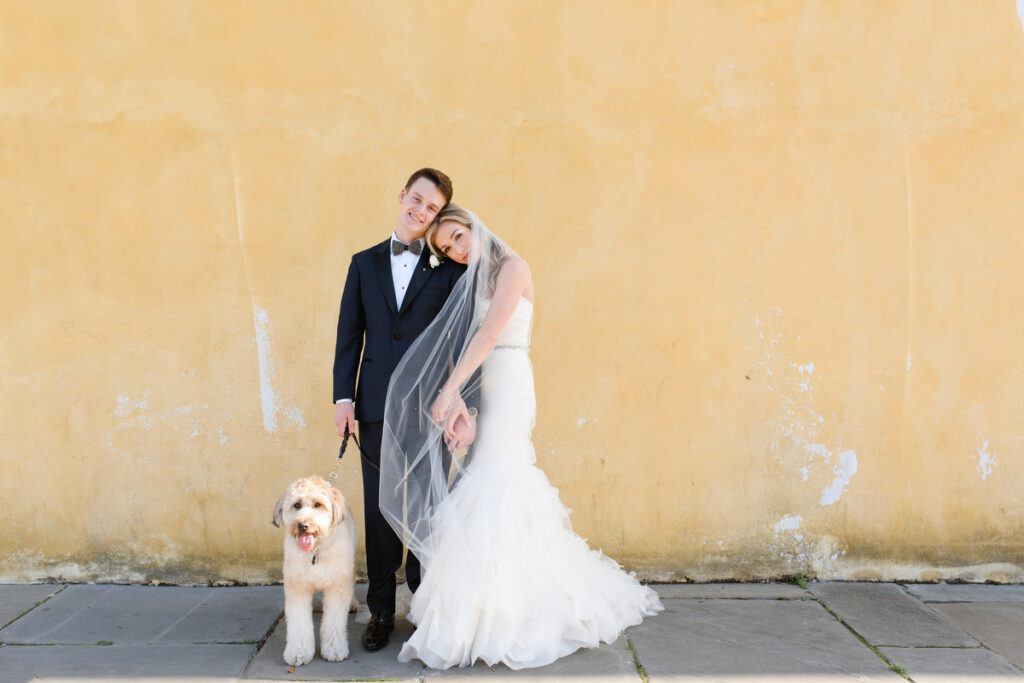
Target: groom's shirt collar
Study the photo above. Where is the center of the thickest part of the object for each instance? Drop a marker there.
(402, 267)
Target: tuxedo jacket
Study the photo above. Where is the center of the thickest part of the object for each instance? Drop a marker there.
(374, 333)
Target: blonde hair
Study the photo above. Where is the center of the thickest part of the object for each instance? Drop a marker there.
(453, 213)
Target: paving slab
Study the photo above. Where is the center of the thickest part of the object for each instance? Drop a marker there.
(269, 664)
(740, 591)
(610, 663)
(85, 614)
(152, 663)
(1000, 626)
(960, 592)
(951, 664)
(884, 615)
(229, 615)
(752, 640)
(16, 599)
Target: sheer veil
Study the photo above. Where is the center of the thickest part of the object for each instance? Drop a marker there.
(416, 469)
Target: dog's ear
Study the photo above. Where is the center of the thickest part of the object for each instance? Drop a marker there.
(337, 507)
(279, 511)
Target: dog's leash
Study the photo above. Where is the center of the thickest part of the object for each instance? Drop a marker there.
(341, 452)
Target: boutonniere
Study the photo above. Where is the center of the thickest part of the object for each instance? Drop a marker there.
(434, 261)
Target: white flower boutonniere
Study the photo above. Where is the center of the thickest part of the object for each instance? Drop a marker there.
(434, 261)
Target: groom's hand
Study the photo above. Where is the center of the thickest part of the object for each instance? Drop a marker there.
(461, 433)
(345, 416)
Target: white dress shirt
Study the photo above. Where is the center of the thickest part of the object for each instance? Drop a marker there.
(402, 268)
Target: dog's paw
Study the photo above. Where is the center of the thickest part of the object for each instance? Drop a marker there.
(298, 655)
(354, 607)
(334, 652)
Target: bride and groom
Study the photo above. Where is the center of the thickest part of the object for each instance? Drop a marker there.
(435, 322)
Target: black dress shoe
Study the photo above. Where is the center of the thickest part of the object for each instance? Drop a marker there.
(376, 634)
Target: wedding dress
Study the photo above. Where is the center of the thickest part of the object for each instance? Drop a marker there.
(508, 580)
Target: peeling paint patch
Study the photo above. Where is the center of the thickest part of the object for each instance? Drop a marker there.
(844, 471)
(127, 405)
(986, 460)
(799, 444)
(805, 382)
(817, 557)
(818, 449)
(788, 523)
(137, 414)
(294, 416)
(267, 394)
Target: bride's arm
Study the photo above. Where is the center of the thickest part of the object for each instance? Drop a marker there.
(511, 282)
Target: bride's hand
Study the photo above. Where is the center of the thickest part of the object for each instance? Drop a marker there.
(458, 410)
(442, 407)
(464, 433)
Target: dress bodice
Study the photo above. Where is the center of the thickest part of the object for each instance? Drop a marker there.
(516, 333)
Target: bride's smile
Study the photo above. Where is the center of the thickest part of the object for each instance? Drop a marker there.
(455, 241)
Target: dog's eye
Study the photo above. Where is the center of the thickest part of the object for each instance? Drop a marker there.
(297, 506)
(317, 505)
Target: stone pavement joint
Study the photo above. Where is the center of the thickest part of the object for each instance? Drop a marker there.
(883, 614)
(998, 625)
(263, 641)
(636, 660)
(16, 606)
(892, 665)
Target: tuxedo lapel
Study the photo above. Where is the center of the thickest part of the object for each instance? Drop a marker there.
(382, 264)
(419, 278)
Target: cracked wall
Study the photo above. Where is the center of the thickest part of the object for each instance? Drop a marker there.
(777, 254)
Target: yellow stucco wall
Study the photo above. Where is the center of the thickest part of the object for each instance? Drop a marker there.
(777, 249)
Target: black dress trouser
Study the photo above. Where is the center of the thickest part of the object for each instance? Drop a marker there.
(383, 547)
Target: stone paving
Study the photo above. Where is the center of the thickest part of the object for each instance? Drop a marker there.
(748, 633)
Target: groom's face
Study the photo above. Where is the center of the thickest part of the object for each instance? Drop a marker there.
(419, 205)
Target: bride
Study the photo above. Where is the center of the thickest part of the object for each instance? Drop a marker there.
(505, 577)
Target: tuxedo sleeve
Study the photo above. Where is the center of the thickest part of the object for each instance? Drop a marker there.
(349, 345)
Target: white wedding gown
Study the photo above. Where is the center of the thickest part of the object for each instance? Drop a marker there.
(508, 580)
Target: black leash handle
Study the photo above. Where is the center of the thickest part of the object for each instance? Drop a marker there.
(344, 444)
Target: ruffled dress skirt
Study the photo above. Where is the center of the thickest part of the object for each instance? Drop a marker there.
(507, 579)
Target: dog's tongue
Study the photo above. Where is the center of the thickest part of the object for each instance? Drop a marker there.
(306, 542)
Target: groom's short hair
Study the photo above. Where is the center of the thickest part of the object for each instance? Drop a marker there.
(443, 182)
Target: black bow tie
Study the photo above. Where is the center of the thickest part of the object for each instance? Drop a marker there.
(398, 247)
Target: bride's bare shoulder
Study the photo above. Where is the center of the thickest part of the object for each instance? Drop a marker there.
(515, 277)
(515, 268)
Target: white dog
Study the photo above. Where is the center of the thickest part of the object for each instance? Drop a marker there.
(319, 554)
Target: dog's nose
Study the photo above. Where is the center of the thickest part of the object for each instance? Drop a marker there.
(302, 526)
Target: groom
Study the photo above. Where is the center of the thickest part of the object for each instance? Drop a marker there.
(391, 294)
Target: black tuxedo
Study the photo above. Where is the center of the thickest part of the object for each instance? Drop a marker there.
(371, 325)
